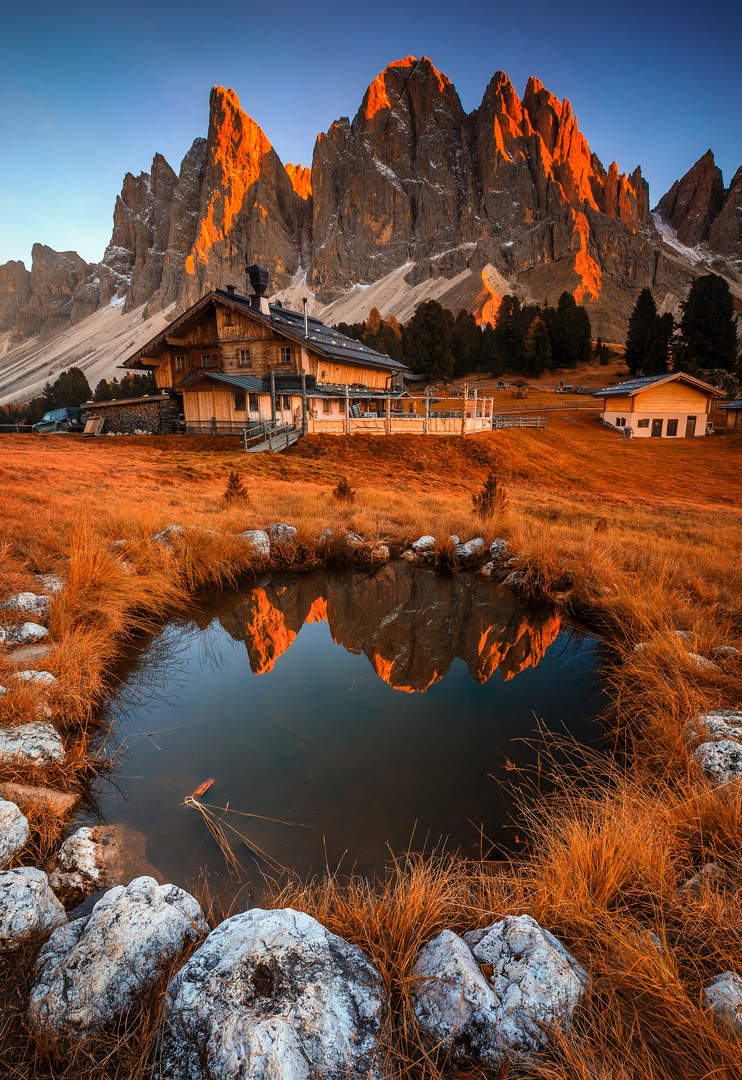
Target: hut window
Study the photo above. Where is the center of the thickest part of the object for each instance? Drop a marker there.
(228, 319)
(326, 405)
(253, 402)
(286, 355)
(643, 423)
(239, 401)
(620, 421)
(287, 403)
(180, 363)
(245, 360)
(672, 427)
(206, 360)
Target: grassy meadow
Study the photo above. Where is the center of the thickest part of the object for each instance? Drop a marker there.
(637, 539)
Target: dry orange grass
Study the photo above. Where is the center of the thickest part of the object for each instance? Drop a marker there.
(606, 856)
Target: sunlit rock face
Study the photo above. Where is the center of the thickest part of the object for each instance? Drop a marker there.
(395, 185)
(248, 205)
(506, 199)
(410, 625)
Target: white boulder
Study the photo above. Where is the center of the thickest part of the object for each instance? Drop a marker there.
(425, 545)
(455, 1004)
(258, 542)
(720, 761)
(36, 743)
(469, 549)
(28, 907)
(13, 832)
(43, 678)
(51, 583)
(532, 984)
(99, 855)
(715, 725)
(499, 550)
(27, 633)
(166, 537)
(282, 534)
(92, 970)
(724, 996)
(28, 603)
(274, 994)
(487, 570)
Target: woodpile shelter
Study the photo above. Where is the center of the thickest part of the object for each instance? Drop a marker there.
(153, 414)
(674, 406)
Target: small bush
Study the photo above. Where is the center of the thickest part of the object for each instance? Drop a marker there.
(491, 500)
(343, 490)
(601, 525)
(235, 492)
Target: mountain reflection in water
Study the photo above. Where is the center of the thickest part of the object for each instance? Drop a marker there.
(410, 624)
(288, 693)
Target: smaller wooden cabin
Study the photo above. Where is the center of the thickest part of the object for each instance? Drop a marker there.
(238, 361)
(673, 406)
(733, 409)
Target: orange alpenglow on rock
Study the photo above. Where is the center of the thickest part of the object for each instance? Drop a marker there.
(488, 303)
(237, 146)
(301, 179)
(318, 611)
(585, 265)
(377, 96)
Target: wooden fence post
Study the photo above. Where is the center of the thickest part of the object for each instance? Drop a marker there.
(303, 402)
(388, 414)
(347, 409)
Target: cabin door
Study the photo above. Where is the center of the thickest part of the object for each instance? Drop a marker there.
(656, 429)
(690, 427)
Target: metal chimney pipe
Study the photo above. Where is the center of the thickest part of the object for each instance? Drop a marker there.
(306, 318)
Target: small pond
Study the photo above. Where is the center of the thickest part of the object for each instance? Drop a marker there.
(352, 714)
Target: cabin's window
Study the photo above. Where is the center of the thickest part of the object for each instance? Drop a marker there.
(620, 421)
(180, 363)
(287, 403)
(672, 427)
(286, 355)
(253, 402)
(326, 405)
(643, 423)
(245, 360)
(239, 401)
(206, 360)
(228, 319)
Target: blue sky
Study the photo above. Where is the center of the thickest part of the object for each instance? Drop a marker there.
(90, 91)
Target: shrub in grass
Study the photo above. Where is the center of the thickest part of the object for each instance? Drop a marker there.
(343, 490)
(492, 500)
(235, 491)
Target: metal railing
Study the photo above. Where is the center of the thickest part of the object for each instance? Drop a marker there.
(16, 427)
(227, 427)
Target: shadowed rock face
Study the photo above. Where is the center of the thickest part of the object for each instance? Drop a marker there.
(55, 275)
(694, 202)
(725, 235)
(15, 292)
(410, 624)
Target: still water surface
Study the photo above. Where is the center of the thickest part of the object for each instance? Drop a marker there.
(364, 713)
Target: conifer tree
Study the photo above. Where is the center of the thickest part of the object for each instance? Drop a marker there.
(640, 330)
(708, 329)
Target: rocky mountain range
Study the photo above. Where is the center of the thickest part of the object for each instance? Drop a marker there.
(412, 199)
